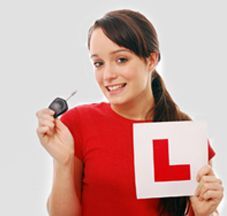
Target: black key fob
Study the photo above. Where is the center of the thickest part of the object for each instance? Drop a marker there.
(59, 106)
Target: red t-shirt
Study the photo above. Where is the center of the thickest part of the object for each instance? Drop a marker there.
(104, 143)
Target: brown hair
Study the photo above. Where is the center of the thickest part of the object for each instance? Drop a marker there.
(135, 32)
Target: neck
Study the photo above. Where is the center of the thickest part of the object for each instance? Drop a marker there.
(136, 109)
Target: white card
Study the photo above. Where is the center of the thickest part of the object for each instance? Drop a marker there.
(180, 148)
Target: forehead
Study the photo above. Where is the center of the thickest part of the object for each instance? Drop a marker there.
(100, 43)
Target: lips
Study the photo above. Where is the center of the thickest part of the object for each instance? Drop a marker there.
(111, 88)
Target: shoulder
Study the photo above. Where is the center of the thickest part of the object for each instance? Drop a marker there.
(86, 110)
(85, 117)
(89, 108)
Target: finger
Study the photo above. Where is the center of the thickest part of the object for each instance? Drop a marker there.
(46, 111)
(210, 179)
(206, 170)
(44, 131)
(60, 125)
(46, 122)
(212, 195)
(41, 131)
(205, 182)
(210, 186)
(45, 118)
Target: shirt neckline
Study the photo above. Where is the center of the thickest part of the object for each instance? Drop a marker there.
(122, 118)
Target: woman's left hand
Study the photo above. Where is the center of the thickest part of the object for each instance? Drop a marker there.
(209, 192)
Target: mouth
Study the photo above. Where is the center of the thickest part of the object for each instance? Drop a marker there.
(112, 88)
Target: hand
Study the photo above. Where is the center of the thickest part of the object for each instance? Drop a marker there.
(208, 194)
(55, 136)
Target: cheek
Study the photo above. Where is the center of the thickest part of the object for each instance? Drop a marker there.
(133, 74)
(98, 77)
(138, 78)
(128, 72)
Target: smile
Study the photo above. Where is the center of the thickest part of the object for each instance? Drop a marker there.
(111, 88)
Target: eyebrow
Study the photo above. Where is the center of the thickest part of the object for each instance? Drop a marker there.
(112, 53)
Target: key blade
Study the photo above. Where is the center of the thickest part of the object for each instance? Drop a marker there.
(71, 95)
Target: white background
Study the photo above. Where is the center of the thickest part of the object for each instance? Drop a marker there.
(43, 55)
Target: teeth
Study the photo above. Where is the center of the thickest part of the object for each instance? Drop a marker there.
(112, 88)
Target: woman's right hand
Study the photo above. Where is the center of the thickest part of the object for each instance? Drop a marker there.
(55, 136)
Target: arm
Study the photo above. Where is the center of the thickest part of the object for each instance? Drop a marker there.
(64, 199)
(56, 138)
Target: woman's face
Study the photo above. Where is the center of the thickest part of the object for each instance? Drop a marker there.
(122, 76)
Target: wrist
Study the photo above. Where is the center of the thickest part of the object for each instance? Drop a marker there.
(64, 162)
(66, 165)
(212, 214)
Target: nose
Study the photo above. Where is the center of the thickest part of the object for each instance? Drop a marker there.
(109, 73)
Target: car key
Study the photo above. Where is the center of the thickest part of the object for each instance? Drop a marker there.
(59, 105)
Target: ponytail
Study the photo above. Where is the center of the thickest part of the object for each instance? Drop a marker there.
(165, 109)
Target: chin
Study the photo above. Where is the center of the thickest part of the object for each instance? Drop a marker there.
(117, 101)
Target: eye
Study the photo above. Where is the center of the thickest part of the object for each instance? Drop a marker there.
(98, 64)
(122, 60)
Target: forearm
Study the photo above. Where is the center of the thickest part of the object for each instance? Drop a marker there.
(63, 200)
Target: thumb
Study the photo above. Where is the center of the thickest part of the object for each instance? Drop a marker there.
(59, 124)
(205, 170)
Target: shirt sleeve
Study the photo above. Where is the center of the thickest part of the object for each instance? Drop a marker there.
(72, 121)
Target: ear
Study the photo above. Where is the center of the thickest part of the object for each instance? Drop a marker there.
(152, 61)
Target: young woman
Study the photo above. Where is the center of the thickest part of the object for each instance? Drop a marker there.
(92, 144)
